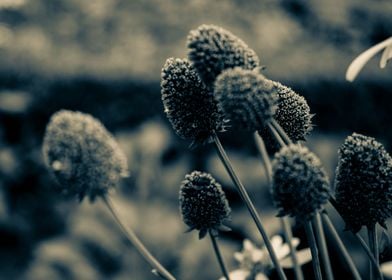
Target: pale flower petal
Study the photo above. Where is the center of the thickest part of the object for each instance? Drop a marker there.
(239, 274)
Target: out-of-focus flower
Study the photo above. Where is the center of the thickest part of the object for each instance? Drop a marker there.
(363, 182)
(189, 105)
(358, 63)
(203, 204)
(213, 49)
(247, 99)
(82, 155)
(300, 184)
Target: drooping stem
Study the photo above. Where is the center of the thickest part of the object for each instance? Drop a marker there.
(313, 249)
(284, 220)
(322, 244)
(158, 268)
(219, 255)
(251, 208)
(373, 244)
(364, 246)
(340, 245)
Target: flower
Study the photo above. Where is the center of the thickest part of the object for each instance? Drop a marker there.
(82, 155)
(189, 105)
(213, 49)
(300, 185)
(363, 182)
(203, 204)
(247, 99)
(358, 63)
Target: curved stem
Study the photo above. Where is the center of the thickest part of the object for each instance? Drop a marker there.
(322, 244)
(313, 249)
(251, 208)
(158, 269)
(350, 263)
(284, 220)
(219, 256)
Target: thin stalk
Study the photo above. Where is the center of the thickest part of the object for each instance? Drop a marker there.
(281, 131)
(353, 269)
(251, 208)
(313, 249)
(288, 234)
(219, 256)
(135, 241)
(322, 244)
(364, 246)
(276, 135)
(373, 244)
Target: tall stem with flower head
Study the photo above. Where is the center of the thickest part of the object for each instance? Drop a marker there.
(219, 256)
(314, 250)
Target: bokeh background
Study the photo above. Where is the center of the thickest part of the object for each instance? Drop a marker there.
(104, 57)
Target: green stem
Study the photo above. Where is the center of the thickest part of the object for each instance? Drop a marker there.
(281, 131)
(219, 256)
(251, 208)
(322, 244)
(158, 269)
(340, 245)
(313, 249)
(373, 244)
(276, 135)
(284, 221)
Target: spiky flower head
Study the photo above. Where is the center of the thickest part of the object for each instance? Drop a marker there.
(213, 49)
(82, 155)
(246, 98)
(363, 182)
(189, 105)
(293, 115)
(300, 185)
(203, 204)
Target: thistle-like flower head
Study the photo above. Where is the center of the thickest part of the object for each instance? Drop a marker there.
(203, 204)
(213, 49)
(247, 99)
(189, 105)
(82, 155)
(300, 185)
(363, 182)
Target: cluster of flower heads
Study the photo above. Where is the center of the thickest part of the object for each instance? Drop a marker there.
(221, 83)
(363, 182)
(300, 185)
(203, 204)
(82, 155)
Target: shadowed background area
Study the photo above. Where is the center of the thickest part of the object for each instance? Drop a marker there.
(104, 57)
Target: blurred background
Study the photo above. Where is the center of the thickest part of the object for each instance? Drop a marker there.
(104, 57)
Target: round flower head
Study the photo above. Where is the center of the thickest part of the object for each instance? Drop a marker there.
(363, 182)
(214, 49)
(203, 203)
(293, 115)
(246, 98)
(82, 155)
(189, 105)
(300, 185)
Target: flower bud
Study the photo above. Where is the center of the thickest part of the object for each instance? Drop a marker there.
(189, 105)
(203, 203)
(213, 49)
(363, 182)
(300, 185)
(246, 98)
(82, 155)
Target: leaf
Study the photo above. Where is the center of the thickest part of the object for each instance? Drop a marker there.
(358, 63)
(304, 256)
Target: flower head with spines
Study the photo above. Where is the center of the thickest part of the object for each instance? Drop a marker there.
(363, 183)
(246, 98)
(213, 49)
(300, 185)
(188, 103)
(203, 204)
(82, 155)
